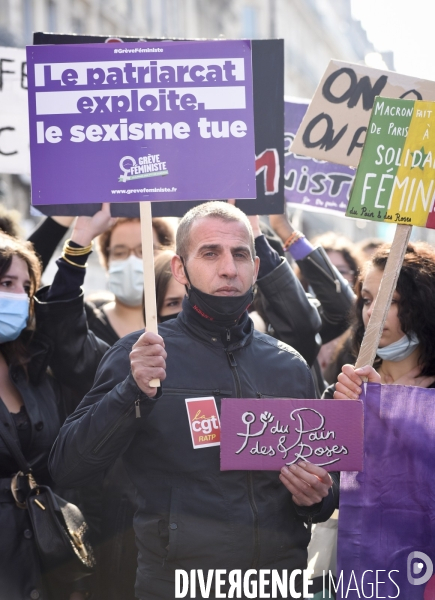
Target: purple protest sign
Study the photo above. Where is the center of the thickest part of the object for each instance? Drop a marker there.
(141, 121)
(310, 183)
(266, 434)
(385, 529)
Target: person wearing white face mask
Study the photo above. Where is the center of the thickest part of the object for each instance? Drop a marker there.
(406, 353)
(120, 250)
(125, 279)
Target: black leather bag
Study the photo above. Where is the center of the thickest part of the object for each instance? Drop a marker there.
(60, 529)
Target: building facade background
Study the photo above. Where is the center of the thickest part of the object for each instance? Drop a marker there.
(314, 31)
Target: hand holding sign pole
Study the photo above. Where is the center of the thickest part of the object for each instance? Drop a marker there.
(149, 281)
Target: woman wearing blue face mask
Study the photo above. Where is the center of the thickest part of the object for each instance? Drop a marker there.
(32, 408)
(406, 353)
(19, 278)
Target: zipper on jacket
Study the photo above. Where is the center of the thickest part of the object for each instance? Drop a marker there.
(137, 408)
(249, 475)
(228, 335)
(256, 556)
(310, 524)
(330, 275)
(233, 365)
(112, 430)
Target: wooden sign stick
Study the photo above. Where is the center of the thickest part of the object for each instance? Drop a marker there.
(149, 280)
(382, 303)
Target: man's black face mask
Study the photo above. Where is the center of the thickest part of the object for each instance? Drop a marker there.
(225, 311)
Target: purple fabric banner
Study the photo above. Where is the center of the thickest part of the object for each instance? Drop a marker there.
(309, 183)
(266, 434)
(141, 121)
(387, 512)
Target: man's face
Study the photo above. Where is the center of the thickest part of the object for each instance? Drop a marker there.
(219, 260)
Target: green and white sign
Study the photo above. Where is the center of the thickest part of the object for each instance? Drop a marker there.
(395, 181)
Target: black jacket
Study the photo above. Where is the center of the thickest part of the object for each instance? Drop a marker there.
(332, 291)
(292, 314)
(191, 515)
(299, 319)
(47, 404)
(109, 501)
(76, 350)
(296, 317)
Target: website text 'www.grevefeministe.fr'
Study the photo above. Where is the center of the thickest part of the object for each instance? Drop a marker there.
(144, 190)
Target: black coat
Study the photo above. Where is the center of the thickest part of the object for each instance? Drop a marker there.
(332, 291)
(296, 318)
(20, 575)
(192, 515)
(48, 401)
(109, 502)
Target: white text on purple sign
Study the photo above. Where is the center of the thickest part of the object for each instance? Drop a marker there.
(303, 447)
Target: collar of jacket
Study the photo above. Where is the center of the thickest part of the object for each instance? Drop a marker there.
(209, 332)
(40, 351)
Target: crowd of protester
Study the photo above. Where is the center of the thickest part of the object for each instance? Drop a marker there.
(316, 297)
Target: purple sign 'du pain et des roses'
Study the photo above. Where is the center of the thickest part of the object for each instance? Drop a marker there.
(267, 434)
(141, 121)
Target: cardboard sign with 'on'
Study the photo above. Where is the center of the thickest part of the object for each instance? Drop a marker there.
(309, 183)
(336, 121)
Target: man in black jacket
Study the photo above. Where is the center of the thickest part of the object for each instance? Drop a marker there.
(191, 515)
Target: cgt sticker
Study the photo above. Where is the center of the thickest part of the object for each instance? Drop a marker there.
(205, 427)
